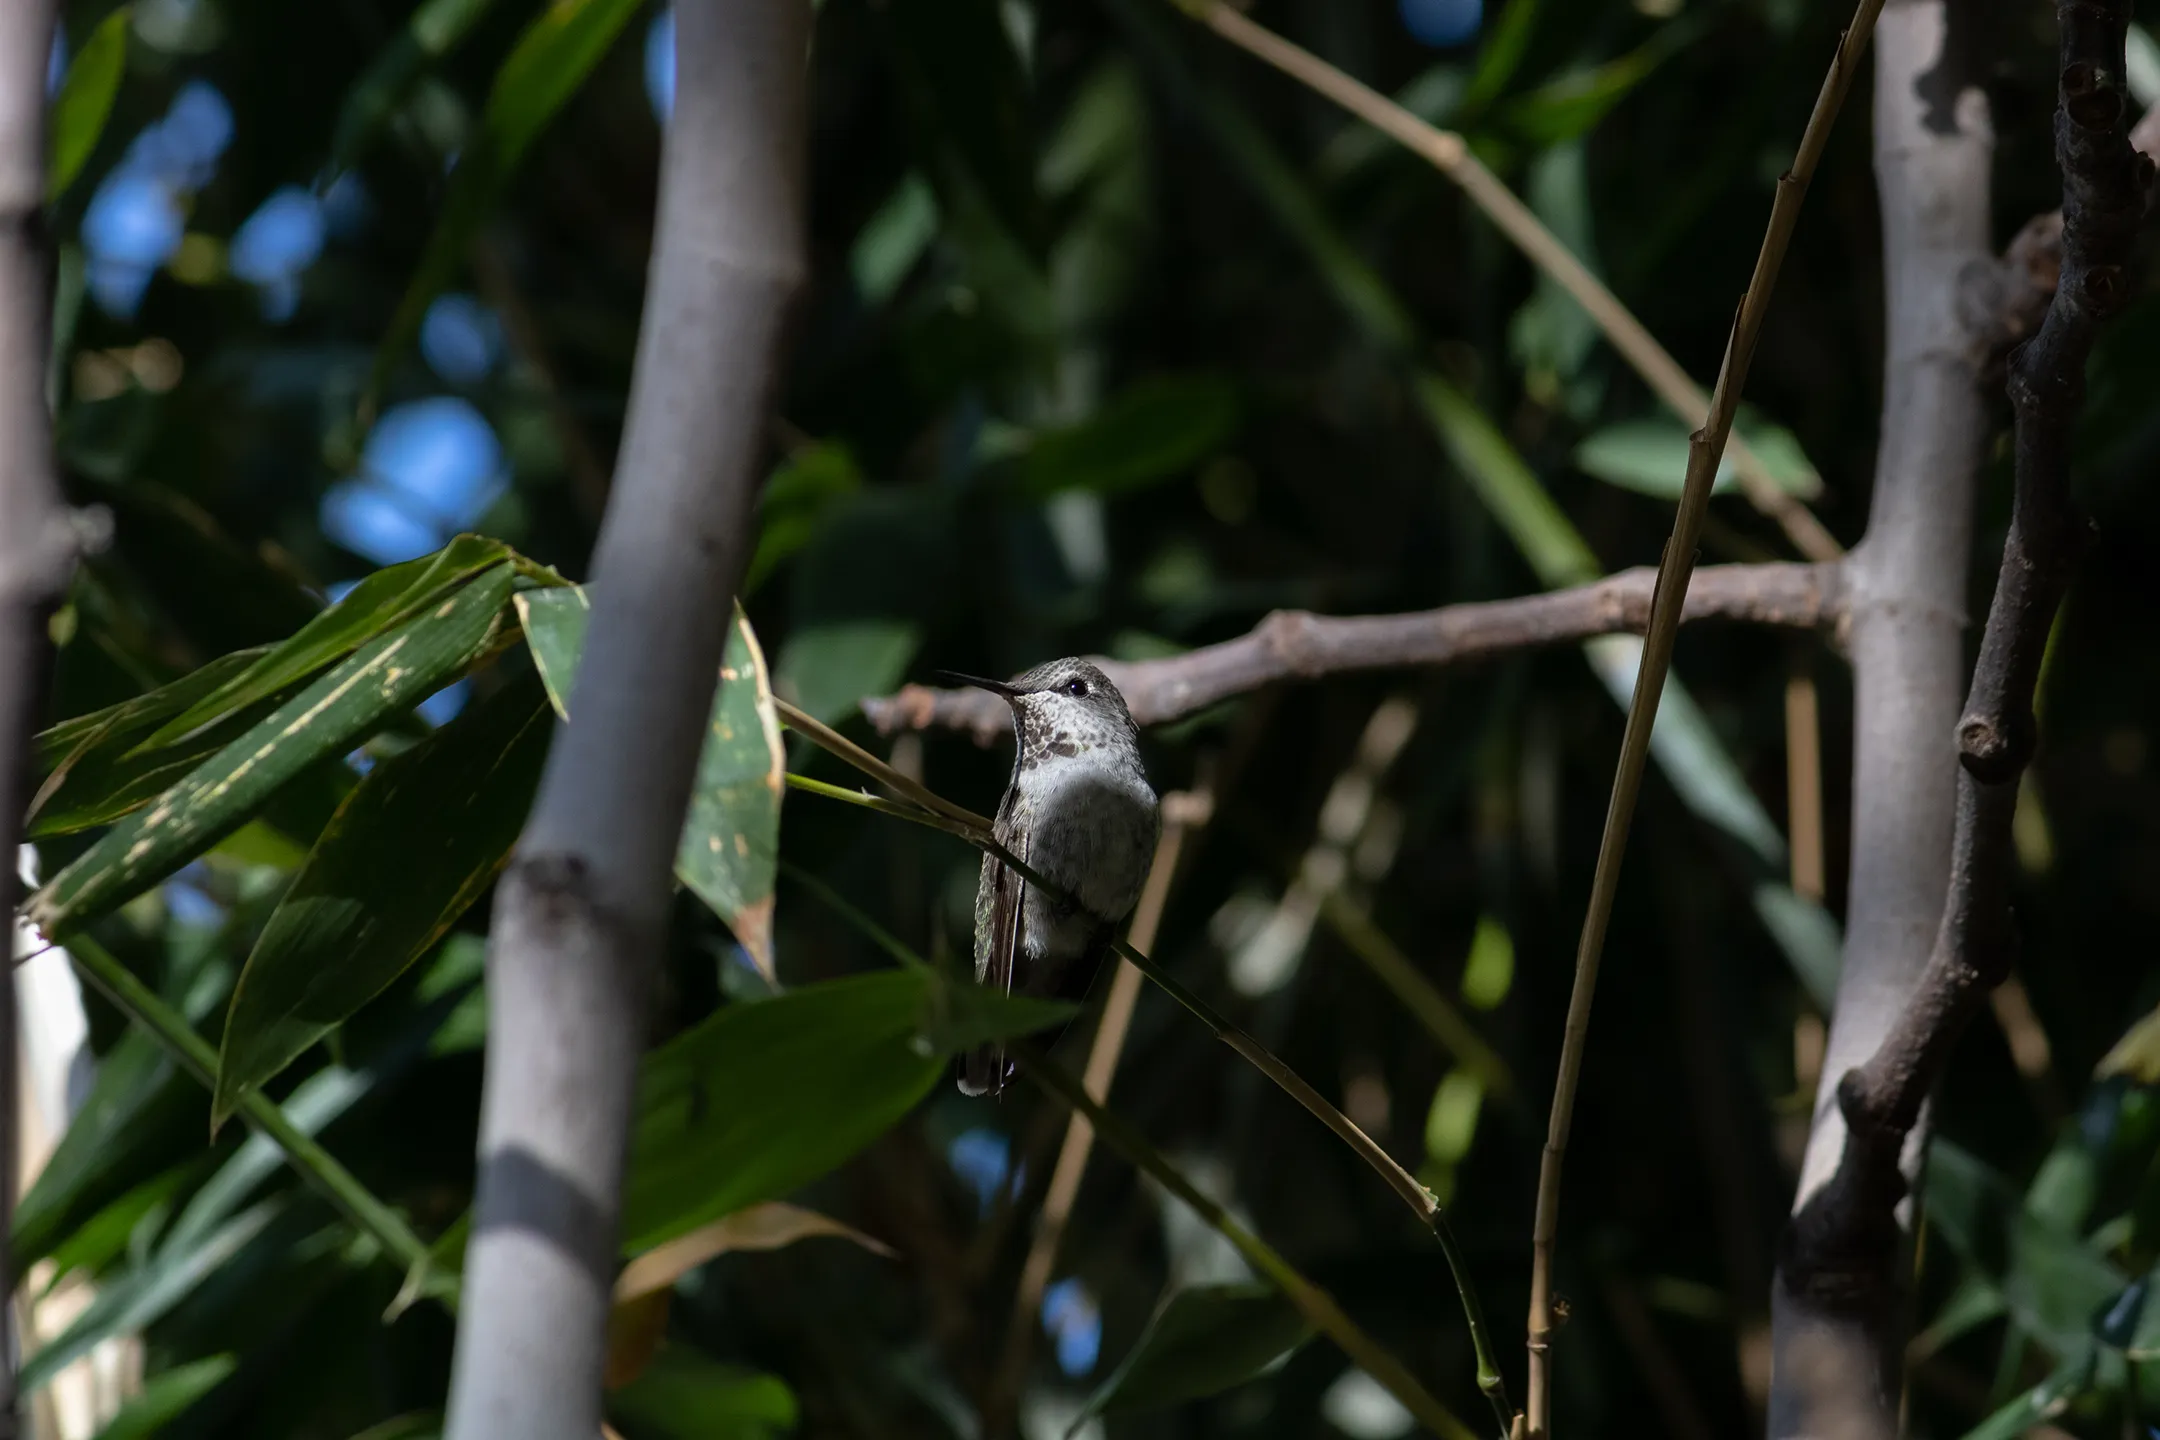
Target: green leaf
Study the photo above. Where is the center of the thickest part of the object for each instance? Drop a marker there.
(763, 1097)
(1570, 107)
(84, 101)
(796, 501)
(409, 851)
(98, 767)
(682, 1395)
(2040, 1404)
(385, 677)
(826, 668)
(730, 843)
(166, 1396)
(1153, 430)
(101, 1239)
(382, 601)
(730, 847)
(141, 1297)
(550, 62)
(1201, 1342)
(1650, 456)
(2056, 1287)
(1501, 53)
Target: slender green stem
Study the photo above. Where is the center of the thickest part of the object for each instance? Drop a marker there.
(1705, 448)
(317, 1165)
(1402, 1182)
(833, 742)
(1314, 1303)
(1489, 1378)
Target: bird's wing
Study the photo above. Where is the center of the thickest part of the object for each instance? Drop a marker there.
(1000, 939)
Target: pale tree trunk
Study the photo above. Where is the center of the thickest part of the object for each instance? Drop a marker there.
(34, 548)
(1906, 589)
(580, 914)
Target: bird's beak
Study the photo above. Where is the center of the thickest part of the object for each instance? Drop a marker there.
(995, 687)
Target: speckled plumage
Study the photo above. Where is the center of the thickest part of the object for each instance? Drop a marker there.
(1079, 811)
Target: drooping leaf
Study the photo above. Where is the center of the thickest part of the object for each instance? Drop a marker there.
(730, 845)
(383, 600)
(166, 1396)
(385, 677)
(1154, 430)
(1202, 1341)
(84, 101)
(97, 767)
(1650, 456)
(772, 1225)
(683, 1395)
(2056, 1286)
(550, 63)
(420, 839)
(637, 1321)
(140, 1297)
(766, 1096)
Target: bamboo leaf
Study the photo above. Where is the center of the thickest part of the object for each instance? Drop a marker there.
(431, 32)
(386, 676)
(683, 1394)
(411, 848)
(1202, 1341)
(383, 600)
(166, 1396)
(765, 1096)
(85, 100)
(98, 767)
(730, 846)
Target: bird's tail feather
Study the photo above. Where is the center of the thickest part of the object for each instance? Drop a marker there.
(985, 1070)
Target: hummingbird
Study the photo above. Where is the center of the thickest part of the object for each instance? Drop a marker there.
(1080, 813)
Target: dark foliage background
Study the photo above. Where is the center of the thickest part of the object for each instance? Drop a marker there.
(1072, 380)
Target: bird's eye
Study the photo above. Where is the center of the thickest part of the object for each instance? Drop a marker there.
(1076, 686)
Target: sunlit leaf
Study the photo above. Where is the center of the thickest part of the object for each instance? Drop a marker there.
(1202, 1341)
(385, 677)
(383, 600)
(1650, 456)
(412, 847)
(730, 843)
(84, 101)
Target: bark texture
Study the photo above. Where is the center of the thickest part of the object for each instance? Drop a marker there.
(1905, 586)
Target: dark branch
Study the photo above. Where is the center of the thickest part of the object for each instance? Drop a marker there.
(1842, 1248)
(1296, 645)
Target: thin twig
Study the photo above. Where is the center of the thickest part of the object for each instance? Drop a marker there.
(1296, 645)
(1451, 155)
(1180, 812)
(1847, 1235)
(1314, 1303)
(1704, 451)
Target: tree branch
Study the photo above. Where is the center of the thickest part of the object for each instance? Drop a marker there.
(1296, 645)
(581, 910)
(34, 548)
(1842, 1252)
